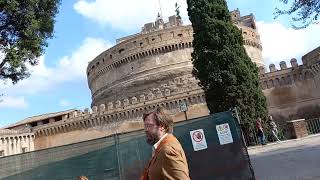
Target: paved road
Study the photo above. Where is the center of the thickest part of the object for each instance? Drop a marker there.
(289, 160)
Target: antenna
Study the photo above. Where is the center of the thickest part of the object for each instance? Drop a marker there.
(160, 8)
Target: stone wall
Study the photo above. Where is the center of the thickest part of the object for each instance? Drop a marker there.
(293, 92)
(105, 120)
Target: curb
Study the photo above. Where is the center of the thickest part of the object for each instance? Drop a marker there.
(281, 142)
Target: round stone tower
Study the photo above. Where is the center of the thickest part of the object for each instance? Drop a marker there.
(139, 67)
(251, 36)
(155, 64)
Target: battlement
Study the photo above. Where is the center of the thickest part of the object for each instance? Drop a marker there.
(290, 75)
(159, 24)
(246, 21)
(110, 114)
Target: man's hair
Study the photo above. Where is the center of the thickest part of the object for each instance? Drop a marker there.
(162, 118)
(82, 178)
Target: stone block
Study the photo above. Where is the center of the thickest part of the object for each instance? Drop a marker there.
(134, 100)
(298, 128)
(126, 102)
(110, 106)
(102, 107)
(94, 109)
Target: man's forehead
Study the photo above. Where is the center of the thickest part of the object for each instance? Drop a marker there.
(149, 118)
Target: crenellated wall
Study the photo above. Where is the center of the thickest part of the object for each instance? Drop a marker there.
(108, 119)
(293, 92)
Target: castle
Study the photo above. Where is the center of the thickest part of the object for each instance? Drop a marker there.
(153, 68)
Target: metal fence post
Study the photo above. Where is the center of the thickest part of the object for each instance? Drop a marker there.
(238, 118)
(116, 141)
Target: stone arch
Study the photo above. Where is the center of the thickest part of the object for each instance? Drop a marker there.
(283, 81)
(199, 99)
(277, 82)
(308, 74)
(166, 48)
(270, 84)
(265, 85)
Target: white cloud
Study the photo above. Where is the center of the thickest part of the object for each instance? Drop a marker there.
(64, 103)
(13, 102)
(281, 43)
(128, 14)
(76, 64)
(68, 68)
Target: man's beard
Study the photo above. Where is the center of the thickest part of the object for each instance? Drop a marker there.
(152, 139)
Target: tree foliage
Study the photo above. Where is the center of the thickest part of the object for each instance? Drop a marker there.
(25, 25)
(227, 75)
(305, 12)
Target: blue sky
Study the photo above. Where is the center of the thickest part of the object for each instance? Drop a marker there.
(85, 28)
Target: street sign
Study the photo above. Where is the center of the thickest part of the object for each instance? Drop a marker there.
(183, 106)
(198, 140)
(224, 133)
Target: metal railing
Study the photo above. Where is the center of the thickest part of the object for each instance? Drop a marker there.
(251, 137)
(313, 125)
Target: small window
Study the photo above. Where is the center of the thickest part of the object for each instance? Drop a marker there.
(24, 149)
(121, 50)
(141, 43)
(1, 153)
(153, 39)
(180, 35)
(98, 63)
(92, 67)
(110, 56)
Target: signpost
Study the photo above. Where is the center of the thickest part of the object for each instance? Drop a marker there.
(183, 108)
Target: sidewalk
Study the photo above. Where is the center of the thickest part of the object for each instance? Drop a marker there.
(311, 140)
(296, 159)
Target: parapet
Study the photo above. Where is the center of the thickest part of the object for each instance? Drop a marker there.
(312, 57)
(272, 68)
(283, 65)
(160, 24)
(294, 62)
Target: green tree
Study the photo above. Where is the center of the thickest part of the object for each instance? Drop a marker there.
(25, 25)
(227, 75)
(305, 12)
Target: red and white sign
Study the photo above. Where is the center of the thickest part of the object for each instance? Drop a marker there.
(198, 140)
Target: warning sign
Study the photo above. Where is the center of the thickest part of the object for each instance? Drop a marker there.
(224, 134)
(198, 140)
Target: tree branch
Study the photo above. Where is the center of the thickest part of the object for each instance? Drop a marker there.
(2, 64)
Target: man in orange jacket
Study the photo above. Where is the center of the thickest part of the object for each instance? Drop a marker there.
(168, 158)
